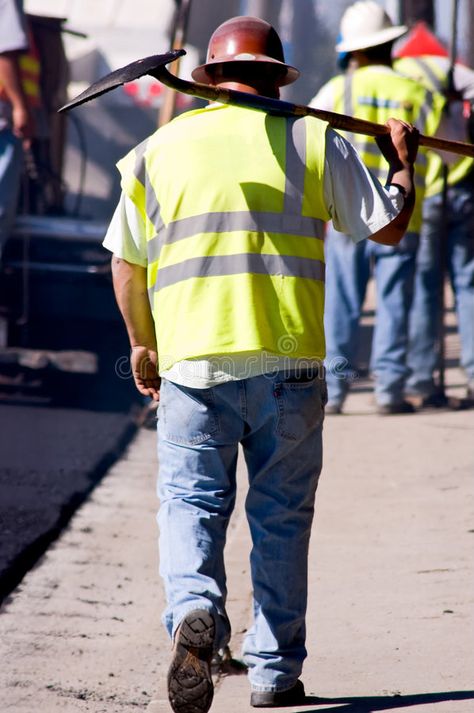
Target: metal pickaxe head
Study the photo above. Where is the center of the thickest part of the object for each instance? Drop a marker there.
(134, 70)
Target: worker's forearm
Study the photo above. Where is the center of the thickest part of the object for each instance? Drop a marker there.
(404, 178)
(10, 79)
(391, 234)
(130, 286)
(399, 149)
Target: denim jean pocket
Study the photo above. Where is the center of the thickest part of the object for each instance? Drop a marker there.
(300, 405)
(187, 416)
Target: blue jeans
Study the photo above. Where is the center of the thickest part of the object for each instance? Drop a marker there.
(348, 269)
(277, 419)
(424, 320)
(10, 171)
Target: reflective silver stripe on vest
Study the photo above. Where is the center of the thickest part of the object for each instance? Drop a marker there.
(235, 221)
(347, 102)
(152, 207)
(425, 110)
(377, 103)
(437, 83)
(289, 222)
(257, 264)
(139, 170)
(427, 105)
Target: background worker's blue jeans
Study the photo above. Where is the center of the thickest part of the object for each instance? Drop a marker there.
(348, 269)
(278, 421)
(424, 319)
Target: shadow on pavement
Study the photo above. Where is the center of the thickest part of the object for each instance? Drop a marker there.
(372, 704)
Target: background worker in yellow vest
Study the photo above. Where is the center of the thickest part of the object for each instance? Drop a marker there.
(19, 92)
(218, 271)
(455, 227)
(371, 89)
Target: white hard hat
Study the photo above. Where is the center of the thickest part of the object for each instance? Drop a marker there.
(366, 24)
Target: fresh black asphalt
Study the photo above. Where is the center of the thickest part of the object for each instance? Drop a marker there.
(59, 434)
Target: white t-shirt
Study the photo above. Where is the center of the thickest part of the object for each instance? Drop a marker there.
(358, 205)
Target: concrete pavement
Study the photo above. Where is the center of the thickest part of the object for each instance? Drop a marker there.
(391, 615)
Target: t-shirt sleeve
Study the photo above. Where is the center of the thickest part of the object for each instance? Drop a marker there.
(126, 236)
(464, 81)
(324, 99)
(357, 202)
(12, 27)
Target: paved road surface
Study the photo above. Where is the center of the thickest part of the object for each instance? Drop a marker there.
(60, 432)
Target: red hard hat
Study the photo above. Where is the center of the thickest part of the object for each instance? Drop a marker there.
(243, 40)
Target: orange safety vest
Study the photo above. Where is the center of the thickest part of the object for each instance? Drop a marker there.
(29, 64)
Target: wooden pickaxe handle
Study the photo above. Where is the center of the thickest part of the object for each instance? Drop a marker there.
(155, 66)
(283, 108)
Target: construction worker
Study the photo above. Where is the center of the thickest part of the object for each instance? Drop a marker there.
(19, 89)
(372, 90)
(16, 119)
(218, 269)
(447, 235)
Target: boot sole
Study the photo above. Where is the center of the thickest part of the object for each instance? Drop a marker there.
(190, 687)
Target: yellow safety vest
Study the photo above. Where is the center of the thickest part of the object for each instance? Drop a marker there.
(234, 213)
(377, 93)
(428, 71)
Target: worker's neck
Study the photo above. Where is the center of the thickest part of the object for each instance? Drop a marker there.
(359, 59)
(263, 90)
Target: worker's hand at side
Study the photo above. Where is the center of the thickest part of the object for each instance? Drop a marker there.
(400, 146)
(144, 362)
(22, 121)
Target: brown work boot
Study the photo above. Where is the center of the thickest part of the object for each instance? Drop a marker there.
(435, 400)
(470, 395)
(396, 408)
(294, 696)
(190, 687)
(439, 400)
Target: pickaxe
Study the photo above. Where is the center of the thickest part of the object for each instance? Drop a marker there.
(155, 66)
